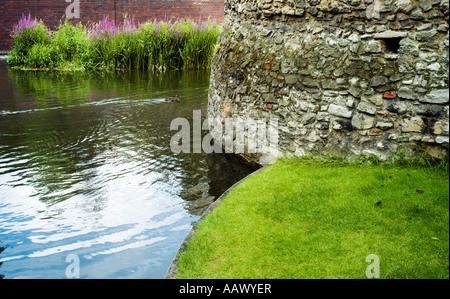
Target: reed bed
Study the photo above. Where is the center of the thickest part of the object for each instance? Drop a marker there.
(153, 45)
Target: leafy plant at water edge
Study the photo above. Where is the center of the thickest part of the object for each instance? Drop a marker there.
(27, 33)
(41, 56)
(71, 45)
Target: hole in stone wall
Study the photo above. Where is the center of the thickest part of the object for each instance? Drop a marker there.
(391, 45)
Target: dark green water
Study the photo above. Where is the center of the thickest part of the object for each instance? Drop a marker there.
(86, 170)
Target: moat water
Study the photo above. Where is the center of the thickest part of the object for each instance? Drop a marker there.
(87, 177)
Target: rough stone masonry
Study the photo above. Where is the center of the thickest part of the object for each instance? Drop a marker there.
(347, 77)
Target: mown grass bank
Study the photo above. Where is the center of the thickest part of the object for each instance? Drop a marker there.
(309, 219)
(154, 45)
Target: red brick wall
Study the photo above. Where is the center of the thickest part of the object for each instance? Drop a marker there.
(53, 11)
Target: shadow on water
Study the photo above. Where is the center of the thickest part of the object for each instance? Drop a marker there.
(1, 250)
(86, 169)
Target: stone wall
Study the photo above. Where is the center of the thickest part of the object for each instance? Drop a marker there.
(347, 77)
(53, 11)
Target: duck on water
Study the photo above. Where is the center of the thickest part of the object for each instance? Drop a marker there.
(173, 99)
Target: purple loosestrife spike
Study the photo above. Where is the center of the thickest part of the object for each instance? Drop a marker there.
(24, 23)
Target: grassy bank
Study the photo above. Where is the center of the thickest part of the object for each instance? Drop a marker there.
(183, 44)
(309, 219)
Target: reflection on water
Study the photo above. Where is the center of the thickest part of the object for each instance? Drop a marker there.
(86, 169)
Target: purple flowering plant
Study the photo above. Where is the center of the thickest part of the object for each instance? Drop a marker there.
(31, 30)
(24, 23)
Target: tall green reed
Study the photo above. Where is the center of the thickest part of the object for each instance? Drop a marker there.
(199, 47)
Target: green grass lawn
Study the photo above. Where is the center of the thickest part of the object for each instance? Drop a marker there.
(307, 219)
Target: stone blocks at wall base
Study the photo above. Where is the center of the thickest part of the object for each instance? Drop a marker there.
(338, 81)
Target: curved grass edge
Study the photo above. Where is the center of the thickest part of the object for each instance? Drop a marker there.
(172, 271)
